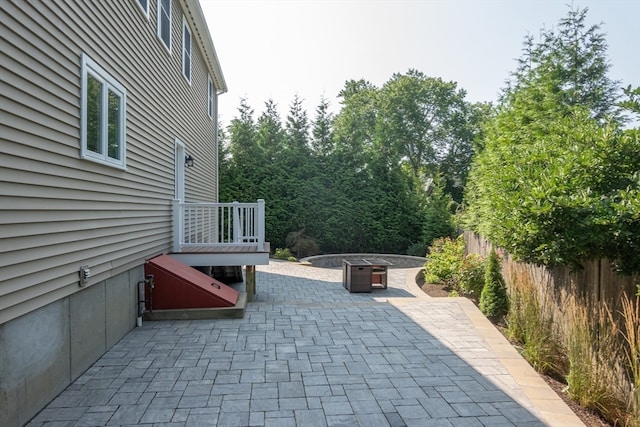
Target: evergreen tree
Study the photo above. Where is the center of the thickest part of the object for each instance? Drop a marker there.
(438, 219)
(322, 141)
(494, 302)
(224, 163)
(243, 134)
(554, 181)
(270, 135)
(240, 169)
(572, 61)
(297, 131)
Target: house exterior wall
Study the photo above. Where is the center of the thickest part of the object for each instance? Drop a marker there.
(59, 211)
(44, 350)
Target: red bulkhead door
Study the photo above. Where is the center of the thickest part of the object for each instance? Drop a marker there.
(177, 285)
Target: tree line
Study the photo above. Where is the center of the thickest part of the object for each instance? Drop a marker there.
(551, 173)
(381, 175)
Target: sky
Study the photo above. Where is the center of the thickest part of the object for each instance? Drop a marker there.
(277, 49)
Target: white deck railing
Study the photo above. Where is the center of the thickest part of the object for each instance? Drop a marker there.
(218, 224)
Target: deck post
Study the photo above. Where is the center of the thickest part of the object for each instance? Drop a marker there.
(250, 282)
(236, 222)
(177, 225)
(216, 224)
(260, 220)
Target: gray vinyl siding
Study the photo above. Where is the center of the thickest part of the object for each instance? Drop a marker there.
(58, 211)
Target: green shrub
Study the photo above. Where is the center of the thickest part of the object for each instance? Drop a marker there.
(448, 265)
(301, 244)
(493, 299)
(443, 260)
(283, 253)
(438, 221)
(555, 181)
(418, 249)
(470, 276)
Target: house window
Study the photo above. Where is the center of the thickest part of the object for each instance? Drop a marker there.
(103, 116)
(164, 22)
(186, 50)
(144, 5)
(210, 97)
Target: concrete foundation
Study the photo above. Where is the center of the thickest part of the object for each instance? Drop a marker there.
(42, 352)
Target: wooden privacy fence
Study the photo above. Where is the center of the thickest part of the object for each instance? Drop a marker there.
(597, 281)
(587, 319)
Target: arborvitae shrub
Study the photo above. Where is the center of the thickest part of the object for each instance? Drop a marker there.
(493, 300)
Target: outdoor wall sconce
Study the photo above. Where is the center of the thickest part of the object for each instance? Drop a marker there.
(188, 161)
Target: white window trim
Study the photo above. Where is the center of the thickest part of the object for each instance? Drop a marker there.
(97, 72)
(210, 97)
(185, 26)
(146, 12)
(159, 32)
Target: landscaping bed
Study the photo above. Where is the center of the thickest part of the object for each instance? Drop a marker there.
(588, 417)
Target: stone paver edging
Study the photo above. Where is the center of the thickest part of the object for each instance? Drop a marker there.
(543, 398)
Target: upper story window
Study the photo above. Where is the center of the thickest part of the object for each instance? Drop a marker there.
(186, 50)
(144, 5)
(164, 22)
(210, 97)
(103, 116)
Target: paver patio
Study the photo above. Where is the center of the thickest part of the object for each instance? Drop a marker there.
(309, 353)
